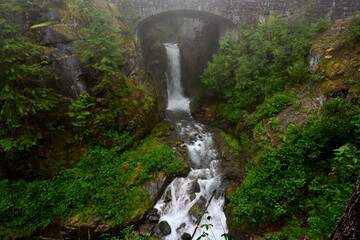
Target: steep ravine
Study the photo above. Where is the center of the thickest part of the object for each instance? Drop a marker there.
(216, 159)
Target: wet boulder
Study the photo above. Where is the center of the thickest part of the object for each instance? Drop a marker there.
(198, 208)
(193, 187)
(153, 216)
(165, 228)
(146, 228)
(183, 225)
(63, 61)
(186, 236)
(168, 196)
(185, 170)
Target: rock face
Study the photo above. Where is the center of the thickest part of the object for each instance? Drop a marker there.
(349, 225)
(196, 50)
(65, 63)
(37, 17)
(60, 38)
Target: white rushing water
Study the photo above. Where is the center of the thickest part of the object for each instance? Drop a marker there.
(176, 99)
(183, 196)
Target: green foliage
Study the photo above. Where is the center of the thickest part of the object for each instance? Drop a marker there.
(322, 25)
(273, 105)
(23, 96)
(129, 234)
(102, 183)
(91, 121)
(121, 140)
(29, 4)
(126, 234)
(206, 227)
(231, 141)
(82, 115)
(19, 195)
(353, 34)
(259, 63)
(333, 191)
(278, 184)
(102, 49)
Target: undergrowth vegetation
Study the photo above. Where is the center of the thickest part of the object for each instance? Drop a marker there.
(318, 159)
(104, 183)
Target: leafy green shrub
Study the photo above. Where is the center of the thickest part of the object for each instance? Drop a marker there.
(322, 25)
(90, 121)
(273, 105)
(82, 117)
(25, 206)
(353, 34)
(259, 63)
(333, 191)
(276, 186)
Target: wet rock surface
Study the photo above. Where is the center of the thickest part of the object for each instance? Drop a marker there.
(63, 61)
(168, 196)
(183, 225)
(198, 208)
(49, 35)
(193, 187)
(349, 225)
(156, 187)
(37, 17)
(146, 228)
(192, 197)
(186, 236)
(153, 216)
(50, 31)
(165, 228)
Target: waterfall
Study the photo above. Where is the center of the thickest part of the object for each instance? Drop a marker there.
(176, 99)
(186, 197)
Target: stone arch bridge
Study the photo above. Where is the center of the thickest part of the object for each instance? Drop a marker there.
(236, 12)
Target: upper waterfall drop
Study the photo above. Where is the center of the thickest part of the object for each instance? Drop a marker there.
(176, 98)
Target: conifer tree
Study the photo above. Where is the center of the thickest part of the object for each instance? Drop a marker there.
(102, 48)
(23, 95)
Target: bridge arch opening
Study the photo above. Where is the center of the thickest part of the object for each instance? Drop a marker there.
(198, 34)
